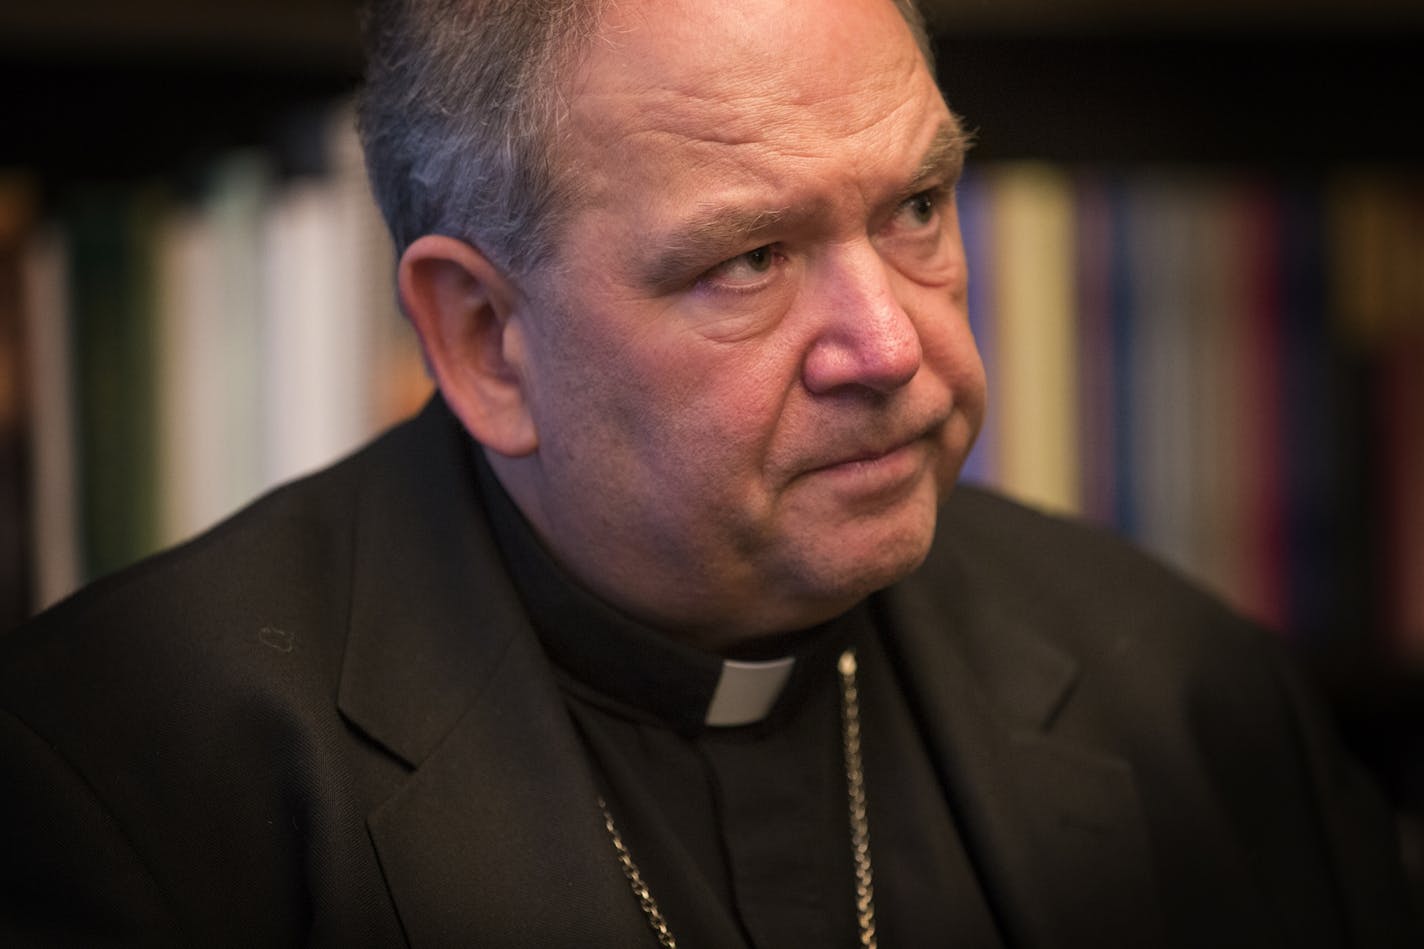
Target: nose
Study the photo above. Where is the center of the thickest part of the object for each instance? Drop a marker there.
(865, 338)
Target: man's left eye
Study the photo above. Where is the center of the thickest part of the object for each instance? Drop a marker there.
(920, 210)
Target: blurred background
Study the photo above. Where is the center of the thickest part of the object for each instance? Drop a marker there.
(1196, 234)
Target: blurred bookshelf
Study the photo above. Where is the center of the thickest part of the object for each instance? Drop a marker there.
(1196, 233)
(196, 297)
(1196, 240)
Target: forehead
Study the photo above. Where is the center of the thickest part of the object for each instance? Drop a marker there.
(776, 50)
(750, 84)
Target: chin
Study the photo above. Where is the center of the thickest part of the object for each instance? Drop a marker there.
(852, 569)
(822, 588)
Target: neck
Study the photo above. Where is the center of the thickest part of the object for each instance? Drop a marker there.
(742, 624)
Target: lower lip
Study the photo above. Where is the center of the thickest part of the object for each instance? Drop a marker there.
(883, 473)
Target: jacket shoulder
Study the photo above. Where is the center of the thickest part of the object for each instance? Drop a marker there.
(249, 615)
(261, 565)
(181, 716)
(1072, 568)
(1144, 637)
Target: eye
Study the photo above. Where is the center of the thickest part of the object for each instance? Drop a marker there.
(757, 261)
(921, 210)
(920, 238)
(746, 271)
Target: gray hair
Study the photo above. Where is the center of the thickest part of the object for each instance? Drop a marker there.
(461, 117)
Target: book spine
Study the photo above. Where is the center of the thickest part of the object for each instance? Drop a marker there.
(1036, 335)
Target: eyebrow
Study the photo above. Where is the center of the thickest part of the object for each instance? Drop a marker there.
(944, 158)
(722, 227)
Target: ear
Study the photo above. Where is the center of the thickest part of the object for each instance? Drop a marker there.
(464, 309)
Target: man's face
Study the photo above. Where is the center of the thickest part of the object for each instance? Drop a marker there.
(750, 368)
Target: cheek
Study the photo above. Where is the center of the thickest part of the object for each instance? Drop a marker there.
(941, 318)
(672, 421)
(952, 351)
(964, 375)
(951, 354)
(655, 410)
(719, 415)
(722, 412)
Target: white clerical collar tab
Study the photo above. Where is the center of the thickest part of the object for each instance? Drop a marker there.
(746, 691)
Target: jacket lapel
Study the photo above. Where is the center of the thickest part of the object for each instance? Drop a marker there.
(498, 836)
(1055, 830)
(495, 832)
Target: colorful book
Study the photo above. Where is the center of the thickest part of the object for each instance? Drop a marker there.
(1098, 385)
(976, 224)
(113, 234)
(56, 566)
(210, 319)
(1035, 335)
(18, 201)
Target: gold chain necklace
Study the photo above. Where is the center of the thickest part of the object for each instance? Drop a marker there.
(859, 825)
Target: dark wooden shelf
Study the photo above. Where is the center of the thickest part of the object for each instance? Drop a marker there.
(1282, 101)
(325, 32)
(252, 33)
(1038, 17)
(130, 88)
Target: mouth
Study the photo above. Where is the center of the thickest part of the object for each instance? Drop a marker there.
(868, 452)
(877, 476)
(868, 456)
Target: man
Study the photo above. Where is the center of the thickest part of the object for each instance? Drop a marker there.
(655, 627)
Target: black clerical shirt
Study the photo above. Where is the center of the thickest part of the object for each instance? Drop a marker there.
(742, 832)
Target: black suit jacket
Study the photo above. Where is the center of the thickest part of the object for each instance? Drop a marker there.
(328, 721)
